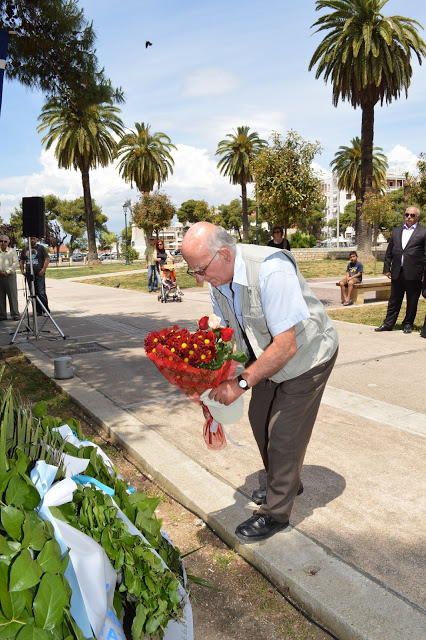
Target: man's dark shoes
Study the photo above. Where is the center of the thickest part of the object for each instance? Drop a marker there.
(383, 327)
(259, 527)
(259, 495)
(408, 328)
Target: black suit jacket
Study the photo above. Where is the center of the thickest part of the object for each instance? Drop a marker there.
(414, 254)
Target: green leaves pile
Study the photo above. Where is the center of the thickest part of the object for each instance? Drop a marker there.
(34, 593)
(148, 592)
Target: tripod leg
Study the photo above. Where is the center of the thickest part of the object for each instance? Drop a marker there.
(21, 320)
(49, 315)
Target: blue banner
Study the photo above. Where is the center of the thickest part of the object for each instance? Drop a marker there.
(4, 38)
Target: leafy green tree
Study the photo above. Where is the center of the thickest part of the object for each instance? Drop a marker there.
(302, 240)
(367, 56)
(347, 165)
(285, 182)
(375, 209)
(53, 49)
(16, 223)
(153, 212)
(108, 239)
(84, 141)
(195, 211)
(123, 237)
(70, 215)
(145, 157)
(238, 153)
(419, 187)
(312, 224)
(11, 231)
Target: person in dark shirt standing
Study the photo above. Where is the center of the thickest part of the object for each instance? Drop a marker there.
(40, 260)
(278, 241)
(353, 274)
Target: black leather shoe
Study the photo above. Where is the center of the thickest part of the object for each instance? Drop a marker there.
(383, 327)
(408, 328)
(259, 527)
(259, 495)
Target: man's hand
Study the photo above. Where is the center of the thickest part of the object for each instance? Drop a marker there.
(42, 272)
(227, 392)
(3, 273)
(388, 274)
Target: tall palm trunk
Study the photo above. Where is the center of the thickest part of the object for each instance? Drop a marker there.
(92, 257)
(245, 213)
(367, 136)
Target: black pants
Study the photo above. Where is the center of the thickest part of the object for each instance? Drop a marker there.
(399, 287)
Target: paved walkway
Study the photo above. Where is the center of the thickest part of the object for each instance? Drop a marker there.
(354, 556)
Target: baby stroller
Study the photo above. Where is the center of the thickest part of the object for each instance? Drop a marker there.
(169, 290)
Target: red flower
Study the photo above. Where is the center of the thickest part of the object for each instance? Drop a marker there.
(226, 334)
(203, 323)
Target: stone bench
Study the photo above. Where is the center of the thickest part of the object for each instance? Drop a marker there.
(381, 287)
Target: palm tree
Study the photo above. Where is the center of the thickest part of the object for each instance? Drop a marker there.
(238, 153)
(83, 141)
(367, 57)
(347, 165)
(145, 157)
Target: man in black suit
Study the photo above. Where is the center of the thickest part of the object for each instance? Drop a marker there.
(405, 264)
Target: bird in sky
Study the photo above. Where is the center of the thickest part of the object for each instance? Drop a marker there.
(148, 44)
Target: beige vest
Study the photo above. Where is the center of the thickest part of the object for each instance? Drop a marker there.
(316, 337)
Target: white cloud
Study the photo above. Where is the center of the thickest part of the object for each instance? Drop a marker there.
(401, 159)
(195, 176)
(209, 81)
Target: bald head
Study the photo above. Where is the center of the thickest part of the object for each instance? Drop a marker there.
(412, 215)
(210, 249)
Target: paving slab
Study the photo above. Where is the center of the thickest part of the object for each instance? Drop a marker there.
(355, 554)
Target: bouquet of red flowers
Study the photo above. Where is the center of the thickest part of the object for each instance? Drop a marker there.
(195, 362)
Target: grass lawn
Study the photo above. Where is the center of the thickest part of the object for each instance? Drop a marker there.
(60, 273)
(334, 268)
(308, 268)
(139, 281)
(375, 314)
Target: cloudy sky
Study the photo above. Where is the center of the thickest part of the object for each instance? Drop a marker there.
(213, 65)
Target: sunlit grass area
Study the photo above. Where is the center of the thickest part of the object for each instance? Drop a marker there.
(61, 273)
(139, 281)
(335, 268)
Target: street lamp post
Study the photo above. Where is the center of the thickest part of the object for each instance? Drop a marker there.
(126, 206)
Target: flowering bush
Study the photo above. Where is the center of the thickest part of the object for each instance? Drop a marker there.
(195, 362)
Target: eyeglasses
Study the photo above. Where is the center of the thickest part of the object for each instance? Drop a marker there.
(201, 272)
(3, 240)
(411, 215)
(274, 232)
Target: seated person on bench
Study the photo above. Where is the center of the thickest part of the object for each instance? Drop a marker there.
(353, 275)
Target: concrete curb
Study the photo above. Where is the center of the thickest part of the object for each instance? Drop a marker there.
(350, 603)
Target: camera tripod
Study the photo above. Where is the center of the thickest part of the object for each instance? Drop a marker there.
(31, 324)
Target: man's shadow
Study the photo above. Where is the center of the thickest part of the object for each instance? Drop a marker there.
(321, 486)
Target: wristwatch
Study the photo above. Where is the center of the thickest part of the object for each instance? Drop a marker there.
(242, 383)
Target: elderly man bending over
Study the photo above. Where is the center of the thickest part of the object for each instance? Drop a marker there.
(292, 347)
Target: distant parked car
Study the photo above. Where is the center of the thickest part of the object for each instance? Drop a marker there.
(53, 258)
(77, 257)
(103, 256)
(178, 252)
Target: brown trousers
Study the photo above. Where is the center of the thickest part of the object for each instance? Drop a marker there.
(282, 417)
